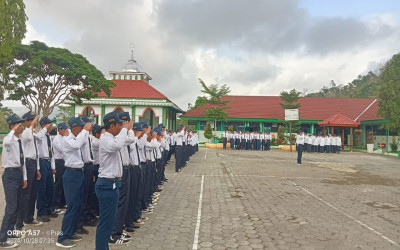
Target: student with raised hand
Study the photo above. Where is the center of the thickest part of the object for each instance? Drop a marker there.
(14, 179)
(110, 175)
(47, 169)
(73, 180)
(29, 145)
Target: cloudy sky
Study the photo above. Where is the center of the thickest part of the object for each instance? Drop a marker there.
(257, 47)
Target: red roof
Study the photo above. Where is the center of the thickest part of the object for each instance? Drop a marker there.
(312, 108)
(339, 120)
(134, 89)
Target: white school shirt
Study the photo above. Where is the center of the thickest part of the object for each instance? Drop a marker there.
(95, 147)
(300, 139)
(135, 153)
(179, 137)
(28, 143)
(11, 153)
(338, 141)
(110, 156)
(72, 149)
(315, 141)
(125, 156)
(86, 148)
(327, 141)
(322, 142)
(141, 144)
(43, 149)
(58, 147)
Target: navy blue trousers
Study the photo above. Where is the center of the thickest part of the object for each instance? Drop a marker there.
(45, 191)
(140, 200)
(178, 157)
(107, 192)
(12, 184)
(72, 183)
(133, 195)
(87, 193)
(123, 202)
(28, 195)
(59, 199)
(299, 153)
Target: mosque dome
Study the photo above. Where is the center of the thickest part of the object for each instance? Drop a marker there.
(132, 65)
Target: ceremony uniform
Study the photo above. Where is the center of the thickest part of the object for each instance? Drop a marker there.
(29, 194)
(300, 145)
(109, 182)
(13, 178)
(58, 148)
(72, 181)
(47, 165)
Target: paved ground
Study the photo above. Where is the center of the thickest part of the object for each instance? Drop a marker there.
(264, 200)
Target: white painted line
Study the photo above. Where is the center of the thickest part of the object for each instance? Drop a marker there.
(205, 156)
(345, 214)
(197, 231)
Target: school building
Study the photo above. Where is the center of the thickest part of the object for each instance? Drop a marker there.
(133, 93)
(340, 116)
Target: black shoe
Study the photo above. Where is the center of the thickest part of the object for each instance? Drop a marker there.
(117, 241)
(52, 215)
(66, 244)
(6, 244)
(34, 223)
(43, 218)
(82, 231)
(76, 237)
(129, 229)
(90, 223)
(125, 236)
(134, 226)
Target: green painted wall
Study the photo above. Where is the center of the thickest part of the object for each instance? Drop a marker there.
(103, 113)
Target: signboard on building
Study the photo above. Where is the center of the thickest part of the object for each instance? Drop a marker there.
(291, 114)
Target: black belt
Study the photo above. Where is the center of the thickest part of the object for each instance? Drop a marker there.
(30, 159)
(127, 166)
(49, 160)
(112, 179)
(74, 169)
(14, 168)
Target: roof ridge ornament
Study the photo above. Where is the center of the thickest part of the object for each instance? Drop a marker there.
(132, 65)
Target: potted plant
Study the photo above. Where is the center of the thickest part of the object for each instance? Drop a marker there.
(370, 145)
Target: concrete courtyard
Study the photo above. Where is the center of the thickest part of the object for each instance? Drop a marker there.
(228, 199)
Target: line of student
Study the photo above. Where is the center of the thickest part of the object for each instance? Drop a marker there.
(247, 140)
(107, 177)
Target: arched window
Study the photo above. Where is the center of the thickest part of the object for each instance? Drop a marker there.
(90, 113)
(149, 116)
(119, 109)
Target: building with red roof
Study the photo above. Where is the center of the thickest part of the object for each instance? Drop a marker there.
(133, 93)
(264, 113)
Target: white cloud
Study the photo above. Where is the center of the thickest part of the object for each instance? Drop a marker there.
(258, 49)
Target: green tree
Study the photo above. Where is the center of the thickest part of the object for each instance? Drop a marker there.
(389, 97)
(208, 132)
(43, 77)
(216, 110)
(64, 113)
(4, 113)
(200, 101)
(289, 102)
(12, 31)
